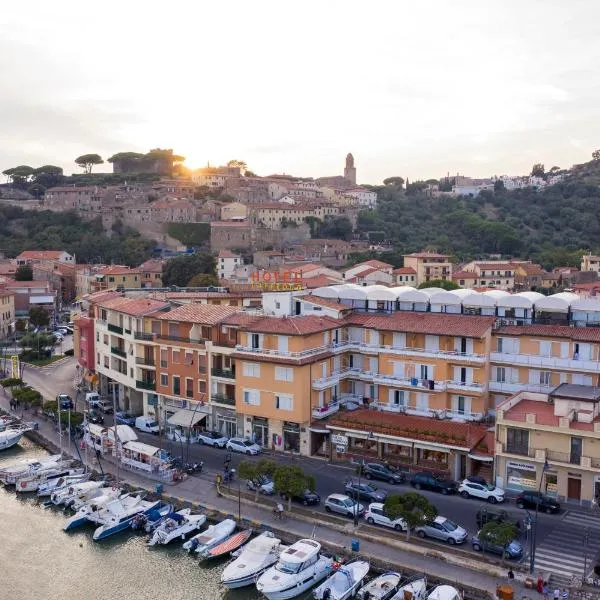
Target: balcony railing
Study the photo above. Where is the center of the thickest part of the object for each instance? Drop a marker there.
(115, 329)
(564, 457)
(511, 386)
(226, 373)
(118, 351)
(519, 449)
(146, 385)
(223, 399)
(143, 336)
(145, 361)
(547, 362)
(322, 412)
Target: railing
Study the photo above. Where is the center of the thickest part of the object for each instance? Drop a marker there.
(550, 362)
(127, 331)
(118, 351)
(223, 399)
(286, 354)
(511, 386)
(227, 373)
(518, 449)
(115, 328)
(595, 463)
(146, 385)
(178, 338)
(144, 337)
(564, 457)
(322, 412)
(146, 362)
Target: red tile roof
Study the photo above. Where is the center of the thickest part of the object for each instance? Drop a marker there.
(404, 271)
(304, 325)
(378, 264)
(97, 297)
(450, 433)
(10, 283)
(497, 266)
(152, 265)
(130, 306)
(586, 286)
(203, 314)
(428, 323)
(119, 270)
(41, 254)
(579, 334)
(464, 275)
(427, 255)
(312, 283)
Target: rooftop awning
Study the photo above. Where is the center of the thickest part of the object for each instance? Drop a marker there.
(186, 418)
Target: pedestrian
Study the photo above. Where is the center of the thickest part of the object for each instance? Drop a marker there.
(556, 594)
(511, 575)
(545, 590)
(565, 594)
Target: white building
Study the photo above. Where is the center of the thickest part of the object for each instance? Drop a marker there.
(363, 196)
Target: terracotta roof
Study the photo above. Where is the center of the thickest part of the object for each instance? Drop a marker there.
(130, 306)
(41, 254)
(378, 264)
(587, 286)
(312, 283)
(496, 266)
(5, 293)
(203, 314)
(11, 283)
(532, 270)
(428, 323)
(97, 297)
(304, 268)
(427, 255)
(465, 435)
(404, 271)
(579, 334)
(118, 270)
(326, 302)
(363, 272)
(153, 265)
(303, 325)
(464, 275)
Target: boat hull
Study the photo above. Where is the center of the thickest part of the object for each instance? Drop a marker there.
(104, 532)
(319, 571)
(248, 579)
(9, 441)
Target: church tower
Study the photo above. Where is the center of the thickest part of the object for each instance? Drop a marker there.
(350, 170)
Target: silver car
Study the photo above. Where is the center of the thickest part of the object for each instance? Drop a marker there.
(344, 505)
(443, 529)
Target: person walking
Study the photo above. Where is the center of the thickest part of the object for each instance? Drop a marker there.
(511, 575)
(545, 590)
(556, 595)
(565, 594)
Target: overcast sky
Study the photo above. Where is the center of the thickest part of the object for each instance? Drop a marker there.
(413, 88)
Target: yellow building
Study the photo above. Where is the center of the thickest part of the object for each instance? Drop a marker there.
(429, 266)
(7, 313)
(560, 430)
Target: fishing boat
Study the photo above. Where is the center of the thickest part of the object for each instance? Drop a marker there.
(381, 588)
(84, 492)
(211, 536)
(12, 434)
(444, 592)
(150, 521)
(31, 483)
(415, 589)
(232, 543)
(90, 507)
(28, 466)
(344, 582)
(53, 484)
(251, 561)
(176, 525)
(300, 567)
(118, 514)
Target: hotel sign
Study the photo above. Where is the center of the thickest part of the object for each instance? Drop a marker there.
(274, 281)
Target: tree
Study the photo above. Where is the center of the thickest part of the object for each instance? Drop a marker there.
(203, 280)
(499, 186)
(39, 317)
(87, 162)
(20, 175)
(254, 470)
(336, 227)
(445, 284)
(596, 155)
(24, 273)
(501, 534)
(240, 164)
(414, 508)
(538, 171)
(249, 174)
(291, 481)
(397, 181)
(554, 170)
(178, 271)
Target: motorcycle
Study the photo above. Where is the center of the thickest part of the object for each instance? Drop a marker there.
(229, 475)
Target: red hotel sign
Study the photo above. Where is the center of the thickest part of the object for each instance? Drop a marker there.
(277, 282)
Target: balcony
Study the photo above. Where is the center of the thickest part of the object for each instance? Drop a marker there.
(513, 387)
(146, 385)
(451, 355)
(544, 362)
(118, 351)
(224, 373)
(223, 399)
(322, 412)
(145, 361)
(143, 337)
(464, 386)
(282, 353)
(519, 450)
(115, 328)
(564, 457)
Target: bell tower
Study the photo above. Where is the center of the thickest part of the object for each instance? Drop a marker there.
(350, 170)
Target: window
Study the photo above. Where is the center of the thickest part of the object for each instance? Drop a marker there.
(284, 402)
(201, 363)
(251, 369)
(105, 340)
(517, 441)
(252, 397)
(424, 372)
(545, 377)
(189, 387)
(501, 374)
(164, 379)
(202, 386)
(284, 374)
(398, 398)
(176, 385)
(97, 336)
(255, 341)
(461, 405)
(176, 356)
(188, 358)
(164, 357)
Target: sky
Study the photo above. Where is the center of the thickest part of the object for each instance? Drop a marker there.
(415, 88)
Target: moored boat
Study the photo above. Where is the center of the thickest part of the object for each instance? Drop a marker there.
(95, 504)
(31, 483)
(54, 484)
(344, 582)
(444, 592)
(176, 525)
(229, 545)
(28, 466)
(211, 536)
(381, 588)
(84, 492)
(415, 589)
(148, 522)
(117, 515)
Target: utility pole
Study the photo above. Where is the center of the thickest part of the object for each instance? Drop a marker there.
(586, 541)
(116, 441)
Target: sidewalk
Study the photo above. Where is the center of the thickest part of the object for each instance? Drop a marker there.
(202, 491)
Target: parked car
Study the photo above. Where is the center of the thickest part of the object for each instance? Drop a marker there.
(243, 445)
(533, 499)
(442, 529)
(263, 483)
(95, 416)
(65, 402)
(483, 543)
(124, 418)
(470, 489)
(58, 336)
(147, 424)
(383, 473)
(485, 515)
(94, 400)
(477, 479)
(426, 481)
(307, 498)
(375, 515)
(365, 491)
(212, 438)
(344, 505)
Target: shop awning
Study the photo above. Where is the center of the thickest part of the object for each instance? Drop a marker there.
(186, 418)
(481, 458)
(319, 430)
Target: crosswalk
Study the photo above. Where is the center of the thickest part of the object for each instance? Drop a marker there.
(563, 552)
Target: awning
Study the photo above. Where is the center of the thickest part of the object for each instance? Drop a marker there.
(432, 447)
(186, 418)
(41, 300)
(481, 458)
(319, 430)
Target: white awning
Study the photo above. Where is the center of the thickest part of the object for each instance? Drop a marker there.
(41, 300)
(319, 430)
(481, 458)
(186, 418)
(141, 448)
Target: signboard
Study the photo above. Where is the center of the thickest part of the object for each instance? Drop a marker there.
(276, 282)
(15, 370)
(521, 466)
(340, 449)
(340, 440)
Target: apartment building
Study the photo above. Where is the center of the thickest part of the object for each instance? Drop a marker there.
(7, 313)
(590, 262)
(429, 266)
(549, 442)
(499, 275)
(404, 276)
(32, 257)
(227, 262)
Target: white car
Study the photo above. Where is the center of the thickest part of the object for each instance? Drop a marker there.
(472, 489)
(375, 515)
(212, 438)
(243, 445)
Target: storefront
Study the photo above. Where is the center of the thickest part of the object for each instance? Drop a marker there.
(260, 431)
(227, 423)
(520, 476)
(291, 437)
(551, 483)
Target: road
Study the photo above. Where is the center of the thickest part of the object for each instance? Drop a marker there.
(330, 478)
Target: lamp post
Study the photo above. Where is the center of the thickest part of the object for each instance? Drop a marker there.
(357, 495)
(535, 523)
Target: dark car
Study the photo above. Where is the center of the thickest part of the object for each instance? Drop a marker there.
(365, 491)
(95, 416)
(383, 473)
(533, 499)
(483, 543)
(65, 402)
(425, 481)
(485, 515)
(123, 418)
(307, 498)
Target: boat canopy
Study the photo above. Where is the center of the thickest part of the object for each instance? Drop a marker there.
(300, 551)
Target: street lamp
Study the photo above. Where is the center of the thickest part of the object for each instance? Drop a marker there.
(357, 495)
(535, 523)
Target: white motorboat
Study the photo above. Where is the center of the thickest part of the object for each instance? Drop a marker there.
(95, 504)
(118, 514)
(7, 421)
(211, 536)
(11, 437)
(29, 466)
(381, 588)
(31, 483)
(176, 525)
(300, 567)
(412, 590)
(444, 592)
(344, 582)
(150, 521)
(251, 561)
(53, 484)
(84, 491)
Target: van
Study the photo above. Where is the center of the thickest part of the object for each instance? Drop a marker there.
(102, 404)
(147, 424)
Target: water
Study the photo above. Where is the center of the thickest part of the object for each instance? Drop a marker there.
(41, 562)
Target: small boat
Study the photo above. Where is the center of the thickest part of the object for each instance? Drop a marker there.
(211, 536)
(84, 491)
(380, 588)
(11, 435)
(251, 561)
(232, 543)
(149, 522)
(176, 525)
(444, 592)
(7, 421)
(300, 567)
(54, 484)
(86, 509)
(31, 483)
(28, 466)
(118, 514)
(412, 590)
(344, 582)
